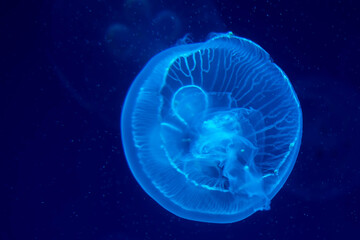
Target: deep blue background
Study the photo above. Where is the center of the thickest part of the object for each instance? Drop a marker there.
(65, 67)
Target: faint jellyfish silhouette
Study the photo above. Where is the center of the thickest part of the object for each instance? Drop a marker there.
(211, 131)
(119, 40)
(166, 26)
(137, 12)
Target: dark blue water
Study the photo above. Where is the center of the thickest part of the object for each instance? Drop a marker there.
(65, 67)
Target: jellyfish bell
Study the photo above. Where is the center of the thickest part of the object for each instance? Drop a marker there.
(211, 130)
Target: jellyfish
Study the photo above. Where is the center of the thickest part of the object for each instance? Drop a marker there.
(212, 130)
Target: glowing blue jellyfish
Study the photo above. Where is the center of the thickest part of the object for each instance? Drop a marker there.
(212, 130)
